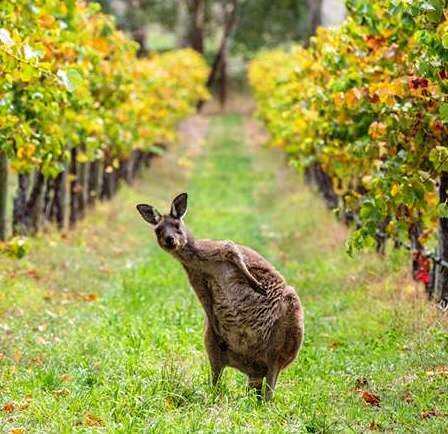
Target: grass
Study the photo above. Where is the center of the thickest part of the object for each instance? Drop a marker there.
(99, 331)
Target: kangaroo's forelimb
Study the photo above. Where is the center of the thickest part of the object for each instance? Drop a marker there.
(229, 251)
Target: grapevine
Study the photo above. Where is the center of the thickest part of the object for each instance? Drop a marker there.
(365, 108)
(78, 107)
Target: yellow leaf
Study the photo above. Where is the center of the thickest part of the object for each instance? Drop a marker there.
(82, 157)
(395, 190)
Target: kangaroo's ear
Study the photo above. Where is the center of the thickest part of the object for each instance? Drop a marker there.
(149, 213)
(179, 206)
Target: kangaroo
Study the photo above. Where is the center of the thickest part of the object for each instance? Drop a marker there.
(253, 318)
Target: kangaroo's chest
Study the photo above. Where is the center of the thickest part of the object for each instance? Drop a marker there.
(235, 309)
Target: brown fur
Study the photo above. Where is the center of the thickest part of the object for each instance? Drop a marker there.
(254, 319)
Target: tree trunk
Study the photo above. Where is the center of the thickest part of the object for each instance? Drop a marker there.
(381, 237)
(314, 17)
(182, 23)
(441, 285)
(3, 195)
(223, 80)
(196, 9)
(93, 182)
(59, 205)
(74, 188)
(115, 181)
(230, 17)
(19, 207)
(49, 200)
(125, 172)
(82, 189)
(140, 35)
(148, 156)
(35, 204)
(107, 190)
(308, 175)
(136, 163)
(325, 186)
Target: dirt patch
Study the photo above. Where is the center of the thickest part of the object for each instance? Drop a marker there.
(240, 103)
(192, 134)
(256, 135)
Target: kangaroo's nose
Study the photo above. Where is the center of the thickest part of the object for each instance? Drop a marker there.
(170, 241)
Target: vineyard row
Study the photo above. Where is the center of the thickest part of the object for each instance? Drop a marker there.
(79, 110)
(363, 111)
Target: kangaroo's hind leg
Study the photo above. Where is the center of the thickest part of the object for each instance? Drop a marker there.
(216, 350)
(271, 381)
(257, 384)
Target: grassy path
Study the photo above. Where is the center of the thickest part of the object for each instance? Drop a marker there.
(100, 332)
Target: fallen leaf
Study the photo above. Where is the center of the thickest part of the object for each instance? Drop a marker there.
(17, 431)
(408, 397)
(105, 269)
(370, 398)
(37, 360)
(92, 420)
(24, 405)
(66, 378)
(62, 392)
(17, 356)
(41, 341)
(33, 274)
(6, 329)
(9, 407)
(428, 414)
(41, 327)
(89, 297)
(374, 426)
(438, 370)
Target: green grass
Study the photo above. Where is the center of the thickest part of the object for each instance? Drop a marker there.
(132, 359)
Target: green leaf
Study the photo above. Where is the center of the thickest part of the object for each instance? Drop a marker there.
(442, 210)
(70, 79)
(27, 73)
(439, 157)
(75, 77)
(443, 112)
(157, 150)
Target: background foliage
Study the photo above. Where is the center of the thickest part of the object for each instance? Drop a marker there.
(73, 91)
(366, 107)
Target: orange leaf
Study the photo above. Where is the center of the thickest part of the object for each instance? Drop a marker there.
(9, 407)
(370, 398)
(92, 420)
(90, 297)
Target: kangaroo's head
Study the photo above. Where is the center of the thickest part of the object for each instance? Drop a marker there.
(169, 228)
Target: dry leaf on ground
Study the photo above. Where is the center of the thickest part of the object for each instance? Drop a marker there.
(9, 407)
(370, 398)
